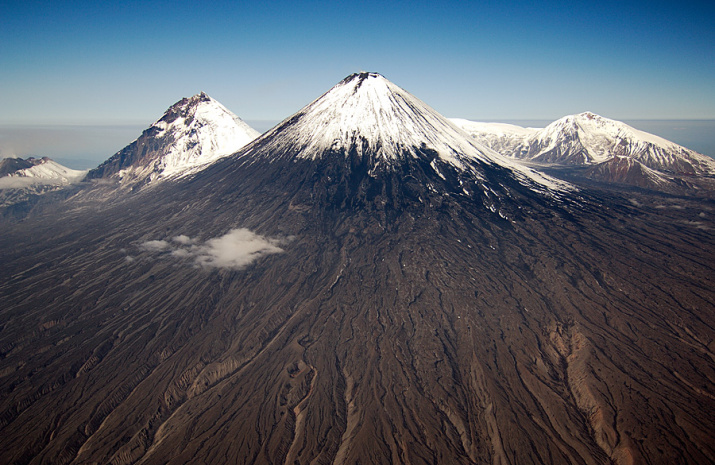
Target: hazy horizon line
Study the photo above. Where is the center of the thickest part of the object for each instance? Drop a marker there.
(277, 120)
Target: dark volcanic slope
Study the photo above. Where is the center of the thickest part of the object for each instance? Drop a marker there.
(400, 324)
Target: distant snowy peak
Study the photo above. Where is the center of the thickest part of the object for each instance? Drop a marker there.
(192, 134)
(597, 139)
(588, 138)
(365, 115)
(34, 172)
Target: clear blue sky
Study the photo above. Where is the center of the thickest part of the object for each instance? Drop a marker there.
(126, 62)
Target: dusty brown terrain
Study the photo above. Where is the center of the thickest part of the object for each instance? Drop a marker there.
(398, 325)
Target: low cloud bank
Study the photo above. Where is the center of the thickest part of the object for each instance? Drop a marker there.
(234, 250)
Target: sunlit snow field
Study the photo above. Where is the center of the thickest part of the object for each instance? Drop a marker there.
(86, 146)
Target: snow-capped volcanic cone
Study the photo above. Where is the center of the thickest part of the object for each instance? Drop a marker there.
(368, 114)
(192, 134)
(377, 125)
(588, 138)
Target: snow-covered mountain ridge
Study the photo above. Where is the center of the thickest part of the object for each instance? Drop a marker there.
(21, 180)
(192, 134)
(38, 172)
(586, 139)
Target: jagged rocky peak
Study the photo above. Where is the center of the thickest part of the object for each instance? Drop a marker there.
(192, 134)
(185, 107)
(202, 130)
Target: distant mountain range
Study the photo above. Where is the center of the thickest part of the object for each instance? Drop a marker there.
(195, 132)
(588, 139)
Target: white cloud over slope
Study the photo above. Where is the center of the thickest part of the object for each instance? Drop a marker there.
(234, 250)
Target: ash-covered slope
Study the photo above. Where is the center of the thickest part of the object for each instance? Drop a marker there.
(587, 138)
(193, 133)
(297, 304)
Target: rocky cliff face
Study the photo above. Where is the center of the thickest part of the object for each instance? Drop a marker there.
(387, 296)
